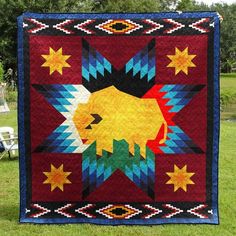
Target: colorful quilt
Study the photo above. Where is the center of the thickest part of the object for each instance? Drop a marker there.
(119, 118)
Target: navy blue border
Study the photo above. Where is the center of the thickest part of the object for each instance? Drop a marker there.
(21, 129)
(216, 119)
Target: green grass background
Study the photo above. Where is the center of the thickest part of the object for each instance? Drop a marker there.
(228, 85)
(9, 195)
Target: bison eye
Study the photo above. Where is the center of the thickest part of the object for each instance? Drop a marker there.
(97, 119)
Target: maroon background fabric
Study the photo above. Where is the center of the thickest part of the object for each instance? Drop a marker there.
(118, 50)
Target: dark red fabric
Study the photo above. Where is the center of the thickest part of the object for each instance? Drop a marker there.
(195, 164)
(118, 50)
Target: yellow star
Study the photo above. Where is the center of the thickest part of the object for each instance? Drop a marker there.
(55, 60)
(181, 61)
(57, 178)
(180, 178)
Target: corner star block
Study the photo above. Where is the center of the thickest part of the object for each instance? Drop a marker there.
(181, 61)
(55, 60)
(57, 178)
(180, 178)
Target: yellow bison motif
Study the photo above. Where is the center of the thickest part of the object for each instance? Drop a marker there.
(111, 115)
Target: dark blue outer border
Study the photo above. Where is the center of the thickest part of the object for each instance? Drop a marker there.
(216, 110)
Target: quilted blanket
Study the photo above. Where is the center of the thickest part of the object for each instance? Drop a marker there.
(119, 118)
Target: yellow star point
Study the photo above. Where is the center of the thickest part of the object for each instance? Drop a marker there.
(181, 61)
(180, 178)
(57, 178)
(55, 60)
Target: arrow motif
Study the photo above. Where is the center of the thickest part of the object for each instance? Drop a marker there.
(197, 25)
(176, 26)
(61, 26)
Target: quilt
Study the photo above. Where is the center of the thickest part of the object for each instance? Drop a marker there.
(119, 117)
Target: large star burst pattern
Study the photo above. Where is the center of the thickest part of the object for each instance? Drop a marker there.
(137, 79)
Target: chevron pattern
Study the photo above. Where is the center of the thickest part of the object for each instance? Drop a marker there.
(143, 62)
(37, 26)
(97, 170)
(93, 63)
(84, 210)
(179, 142)
(65, 99)
(179, 95)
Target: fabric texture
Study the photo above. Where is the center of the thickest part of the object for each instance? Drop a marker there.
(119, 118)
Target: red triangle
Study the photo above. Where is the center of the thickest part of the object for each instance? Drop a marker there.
(118, 50)
(118, 188)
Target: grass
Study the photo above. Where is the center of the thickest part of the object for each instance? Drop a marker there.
(228, 86)
(9, 196)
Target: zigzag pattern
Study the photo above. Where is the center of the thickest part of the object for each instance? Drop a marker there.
(93, 62)
(65, 99)
(198, 25)
(175, 25)
(179, 95)
(82, 26)
(143, 62)
(179, 142)
(62, 26)
(174, 211)
(97, 170)
(103, 27)
(37, 26)
(154, 26)
(83, 210)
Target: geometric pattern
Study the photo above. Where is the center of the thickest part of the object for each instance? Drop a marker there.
(119, 26)
(143, 62)
(61, 26)
(174, 211)
(40, 210)
(165, 26)
(130, 116)
(179, 95)
(174, 97)
(93, 63)
(198, 25)
(179, 142)
(175, 26)
(96, 170)
(138, 72)
(154, 26)
(197, 211)
(82, 26)
(64, 98)
(37, 26)
(154, 211)
(63, 210)
(120, 210)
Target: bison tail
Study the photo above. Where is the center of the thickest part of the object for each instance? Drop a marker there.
(164, 133)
